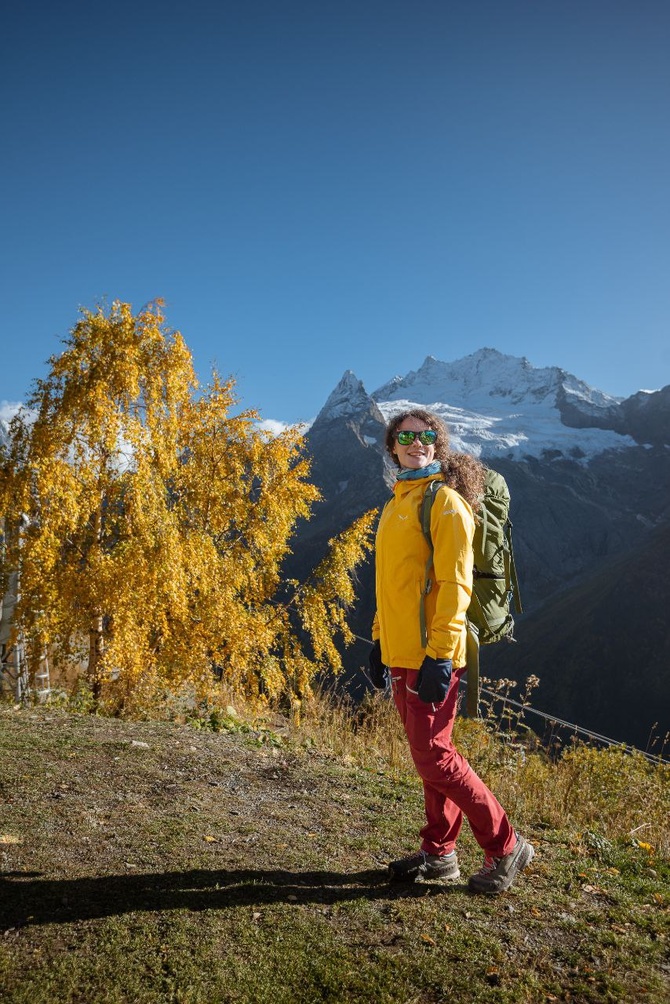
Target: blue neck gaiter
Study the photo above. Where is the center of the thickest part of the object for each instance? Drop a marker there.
(412, 474)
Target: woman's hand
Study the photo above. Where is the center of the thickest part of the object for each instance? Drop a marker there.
(378, 675)
(434, 677)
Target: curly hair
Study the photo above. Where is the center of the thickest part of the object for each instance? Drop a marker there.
(461, 471)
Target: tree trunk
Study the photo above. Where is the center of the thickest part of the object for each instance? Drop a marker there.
(95, 630)
(95, 651)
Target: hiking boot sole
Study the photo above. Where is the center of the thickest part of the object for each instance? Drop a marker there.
(423, 872)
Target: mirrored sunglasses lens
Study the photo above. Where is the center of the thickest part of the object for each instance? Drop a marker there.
(406, 437)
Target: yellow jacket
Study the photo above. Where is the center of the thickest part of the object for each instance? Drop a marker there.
(400, 556)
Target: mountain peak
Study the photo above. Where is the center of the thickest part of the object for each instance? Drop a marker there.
(347, 399)
(484, 374)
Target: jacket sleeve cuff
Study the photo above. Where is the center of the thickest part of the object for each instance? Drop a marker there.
(438, 653)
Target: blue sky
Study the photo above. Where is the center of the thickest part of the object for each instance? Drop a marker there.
(321, 186)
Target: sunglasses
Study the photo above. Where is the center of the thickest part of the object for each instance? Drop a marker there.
(406, 437)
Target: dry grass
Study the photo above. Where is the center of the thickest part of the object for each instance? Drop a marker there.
(612, 791)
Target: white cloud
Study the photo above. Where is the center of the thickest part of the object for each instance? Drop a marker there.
(8, 409)
(275, 428)
(272, 426)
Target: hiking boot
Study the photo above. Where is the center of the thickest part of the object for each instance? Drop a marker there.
(497, 874)
(421, 866)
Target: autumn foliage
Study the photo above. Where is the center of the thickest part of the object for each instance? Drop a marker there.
(149, 521)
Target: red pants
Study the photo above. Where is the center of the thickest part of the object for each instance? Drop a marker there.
(450, 786)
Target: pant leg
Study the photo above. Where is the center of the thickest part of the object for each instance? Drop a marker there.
(451, 787)
(443, 817)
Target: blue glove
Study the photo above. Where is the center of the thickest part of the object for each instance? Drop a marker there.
(377, 667)
(434, 677)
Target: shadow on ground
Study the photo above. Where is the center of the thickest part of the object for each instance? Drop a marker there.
(28, 898)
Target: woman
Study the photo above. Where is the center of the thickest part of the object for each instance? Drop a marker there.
(425, 680)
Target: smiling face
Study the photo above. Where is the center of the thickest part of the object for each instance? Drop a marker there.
(416, 455)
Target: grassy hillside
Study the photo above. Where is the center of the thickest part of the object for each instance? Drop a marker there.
(152, 862)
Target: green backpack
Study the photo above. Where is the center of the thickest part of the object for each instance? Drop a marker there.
(495, 586)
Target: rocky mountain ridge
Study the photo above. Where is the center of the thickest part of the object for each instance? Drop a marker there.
(500, 406)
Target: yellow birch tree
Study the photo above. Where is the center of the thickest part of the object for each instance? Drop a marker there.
(148, 523)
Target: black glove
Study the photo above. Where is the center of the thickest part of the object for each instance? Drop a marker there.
(377, 667)
(432, 682)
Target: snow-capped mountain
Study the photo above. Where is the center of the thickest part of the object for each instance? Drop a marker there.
(488, 374)
(495, 406)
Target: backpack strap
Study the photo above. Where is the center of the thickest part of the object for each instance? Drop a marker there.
(472, 662)
(472, 638)
(512, 570)
(426, 506)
